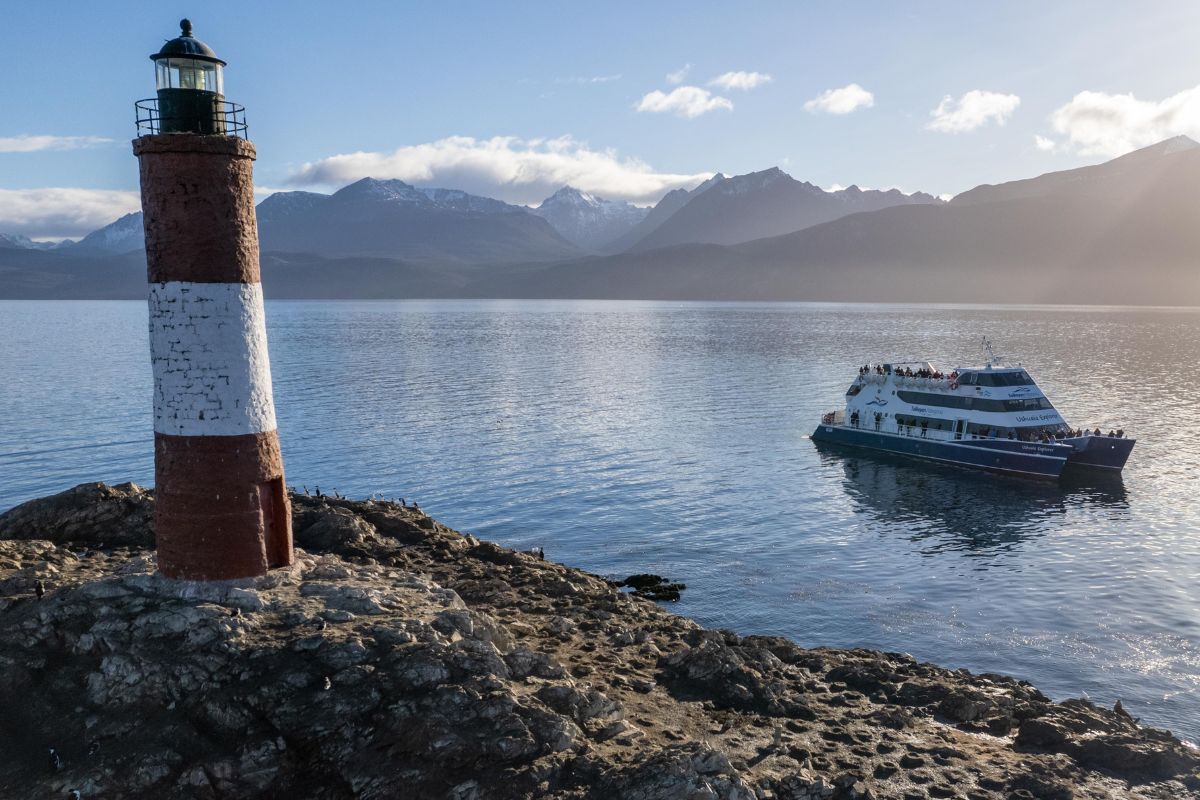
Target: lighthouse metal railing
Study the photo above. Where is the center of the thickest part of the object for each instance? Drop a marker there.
(228, 117)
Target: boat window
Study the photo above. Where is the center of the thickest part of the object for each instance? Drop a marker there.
(975, 403)
(1018, 378)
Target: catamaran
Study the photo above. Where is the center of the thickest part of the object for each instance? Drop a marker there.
(991, 417)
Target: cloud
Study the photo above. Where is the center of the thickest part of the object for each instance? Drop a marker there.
(1096, 123)
(505, 167)
(60, 213)
(675, 78)
(685, 101)
(587, 80)
(26, 143)
(1044, 144)
(740, 80)
(973, 110)
(841, 101)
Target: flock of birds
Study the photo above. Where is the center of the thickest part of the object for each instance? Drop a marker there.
(375, 496)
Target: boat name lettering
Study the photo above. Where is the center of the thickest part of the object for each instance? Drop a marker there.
(1036, 417)
(923, 410)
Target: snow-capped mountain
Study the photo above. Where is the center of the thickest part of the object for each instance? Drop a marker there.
(663, 210)
(586, 220)
(393, 219)
(15, 241)
(123, 236)
(762, 204)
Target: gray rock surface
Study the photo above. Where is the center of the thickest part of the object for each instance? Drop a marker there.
(401, 659)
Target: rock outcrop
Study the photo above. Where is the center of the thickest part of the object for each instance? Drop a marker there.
(401, 659)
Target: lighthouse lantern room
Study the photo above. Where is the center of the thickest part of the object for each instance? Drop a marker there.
(190, 83)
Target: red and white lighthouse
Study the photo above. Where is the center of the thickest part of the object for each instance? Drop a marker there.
(221, 510)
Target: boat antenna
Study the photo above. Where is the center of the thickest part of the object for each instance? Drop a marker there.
(992, 358)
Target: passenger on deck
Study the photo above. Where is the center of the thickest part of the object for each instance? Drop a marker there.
(1096, 432)
(924, 427)
(1120, 433)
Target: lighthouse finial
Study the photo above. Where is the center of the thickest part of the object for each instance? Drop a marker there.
(185, 26)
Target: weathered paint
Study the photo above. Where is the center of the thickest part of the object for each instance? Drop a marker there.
(198, 208)
(212, 517)
(208, 346)
(221, 509)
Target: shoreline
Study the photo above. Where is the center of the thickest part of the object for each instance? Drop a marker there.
(401, 653)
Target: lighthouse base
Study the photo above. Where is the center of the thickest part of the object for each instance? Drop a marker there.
(221, 508)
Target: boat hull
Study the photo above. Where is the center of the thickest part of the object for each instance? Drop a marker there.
(996, 455)
(1099, 452)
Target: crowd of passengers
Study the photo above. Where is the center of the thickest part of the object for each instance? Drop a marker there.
(907, 372)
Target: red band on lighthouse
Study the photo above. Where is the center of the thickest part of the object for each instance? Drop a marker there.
(221, 511)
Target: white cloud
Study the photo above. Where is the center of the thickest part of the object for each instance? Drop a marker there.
(1096, 123)
(515, 170)
(587, 80)
(973, 110)
(740, 80)
(26, 143)
(60, 213)
(841, 101)
(1044, 144)
(685, 101)
(675, 78)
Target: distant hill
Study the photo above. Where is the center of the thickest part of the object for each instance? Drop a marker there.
(391, 219)
(1121, 232)
(761, 204)
(123, 236)
(588, 221)
(662, 211)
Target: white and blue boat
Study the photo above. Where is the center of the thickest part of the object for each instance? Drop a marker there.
(991, 417)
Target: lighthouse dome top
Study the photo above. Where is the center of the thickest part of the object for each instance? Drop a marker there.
(187, 46)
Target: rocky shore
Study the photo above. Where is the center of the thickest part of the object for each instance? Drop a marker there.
(401, 659)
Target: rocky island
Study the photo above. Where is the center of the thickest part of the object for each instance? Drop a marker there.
(401, 659)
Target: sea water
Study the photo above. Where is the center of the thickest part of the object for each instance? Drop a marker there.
(673, 438)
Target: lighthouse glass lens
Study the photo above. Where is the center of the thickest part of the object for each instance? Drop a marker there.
(184, 73)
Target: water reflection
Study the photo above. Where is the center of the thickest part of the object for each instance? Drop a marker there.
(946, 508)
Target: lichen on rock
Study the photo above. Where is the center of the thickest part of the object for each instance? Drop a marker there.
(399, 658)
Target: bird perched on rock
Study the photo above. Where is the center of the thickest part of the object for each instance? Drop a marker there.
(305, 491)
(1120, 709)
(39, 589)
(324, 624)
(328, 683)
(94, 747)
(55, 760)
(74, 794)
(236, 612)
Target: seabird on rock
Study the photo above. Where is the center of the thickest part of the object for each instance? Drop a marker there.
(94, 747)
(236, 612)
(75, 795)
(55, 760)
(324, 624)
(305, 491)
(328, 683)
(39, 589)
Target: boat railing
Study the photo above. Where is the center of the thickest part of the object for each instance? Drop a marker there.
(905, 382)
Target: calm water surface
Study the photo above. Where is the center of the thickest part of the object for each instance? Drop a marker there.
(673, 438)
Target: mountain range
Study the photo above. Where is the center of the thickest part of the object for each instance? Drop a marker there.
(1119, 232)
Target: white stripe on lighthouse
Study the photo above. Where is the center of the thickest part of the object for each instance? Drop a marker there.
(208, 344)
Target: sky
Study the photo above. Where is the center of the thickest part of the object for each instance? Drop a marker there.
(626, 100)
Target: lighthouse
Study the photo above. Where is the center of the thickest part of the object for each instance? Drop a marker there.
(221, 510)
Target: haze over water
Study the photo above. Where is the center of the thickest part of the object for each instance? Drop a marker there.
(672, 438)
